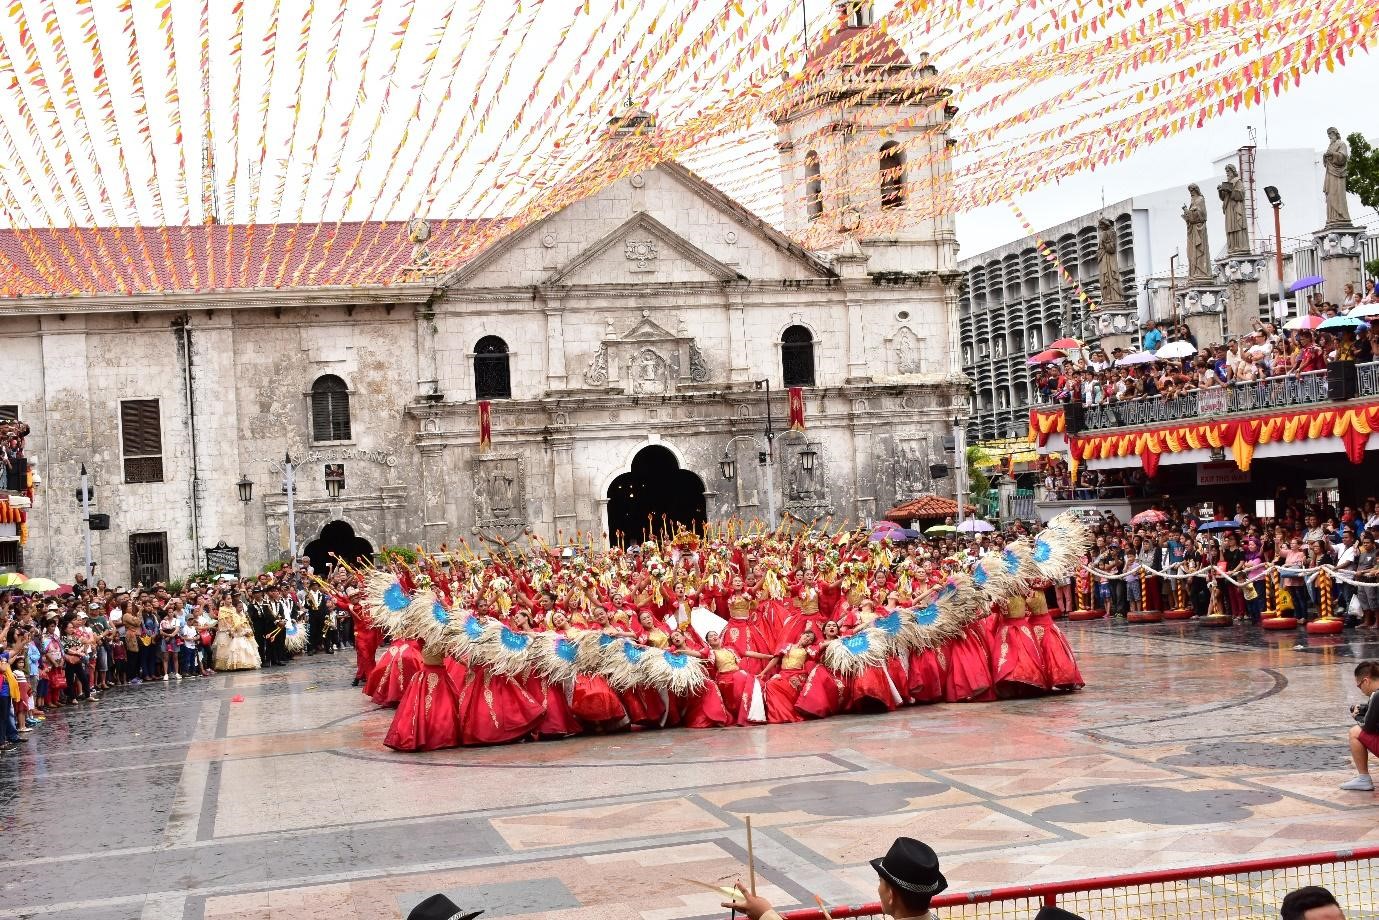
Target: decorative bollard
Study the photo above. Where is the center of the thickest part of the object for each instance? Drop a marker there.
(1328, 624)
(1273, 618)
(1142, 615)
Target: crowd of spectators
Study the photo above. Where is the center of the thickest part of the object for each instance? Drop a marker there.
(1265, 352)
(67, 648)
(1224, 542)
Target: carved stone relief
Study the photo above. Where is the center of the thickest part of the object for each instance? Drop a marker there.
(500, 491)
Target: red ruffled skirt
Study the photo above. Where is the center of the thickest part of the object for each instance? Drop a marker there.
(704, 709)
(1017, 665)
(427, 716)
(874, 686)
(367, 639)
(927, 668)
(1060, 665)
(781, 692)
(821, 696)
(594, 701)
(736, 688)
(558, 721)
(743, 636)
(969, 667)
(496, 709)
(388, 680)
(644, 706)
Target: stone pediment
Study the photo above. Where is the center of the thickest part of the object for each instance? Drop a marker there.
(642, 250)
(646, 360)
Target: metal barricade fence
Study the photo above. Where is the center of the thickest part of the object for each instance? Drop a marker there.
(1253, 889)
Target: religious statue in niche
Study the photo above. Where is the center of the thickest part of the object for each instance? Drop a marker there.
(648, 374)
(907, 359)
(419, 232)
(498, 490)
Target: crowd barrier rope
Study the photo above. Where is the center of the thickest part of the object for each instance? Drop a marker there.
(1225, 891)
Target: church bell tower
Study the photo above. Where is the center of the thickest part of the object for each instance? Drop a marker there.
(865, 152)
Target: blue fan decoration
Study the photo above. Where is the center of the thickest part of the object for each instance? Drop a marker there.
(566, 650)
(950, 588)
(473, 629)
(859, 644)
(514, 641)
(928, 616)
(633, 652)
(676, 660)
(395, 597)
(1011, 560)
(1042, 551)
(441, 615)
(889, 624)
(979, 575)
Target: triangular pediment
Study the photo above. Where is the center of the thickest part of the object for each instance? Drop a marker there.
(643, 244)
(648, 330)
(699, 234)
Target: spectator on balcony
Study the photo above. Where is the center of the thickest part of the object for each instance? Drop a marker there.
(1310, 357)
(1154, 339)
(1349, 298)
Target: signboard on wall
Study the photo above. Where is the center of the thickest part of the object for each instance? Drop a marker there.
(222, 559)
(1221, 474)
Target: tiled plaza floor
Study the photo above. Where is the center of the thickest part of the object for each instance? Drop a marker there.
(176, 801)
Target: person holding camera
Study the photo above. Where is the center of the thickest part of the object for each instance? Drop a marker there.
(1364, 738)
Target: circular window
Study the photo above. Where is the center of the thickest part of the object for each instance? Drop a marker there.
(903, 315)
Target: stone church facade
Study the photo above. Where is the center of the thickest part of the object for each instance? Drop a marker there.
(625, 345)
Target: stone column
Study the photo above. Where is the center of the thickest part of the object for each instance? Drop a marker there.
(563, 485)
(739, 368)
(1241, 273)
(555, 349)
(851, 264)
(1114, 326)
(428, 381)
(1339, 249)
(433, 491)
(1201, 307)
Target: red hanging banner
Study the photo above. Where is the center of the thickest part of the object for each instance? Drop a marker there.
(797, 408)
(485, 429)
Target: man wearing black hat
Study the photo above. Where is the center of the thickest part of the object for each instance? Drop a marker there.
(439, 907)
(909, 878)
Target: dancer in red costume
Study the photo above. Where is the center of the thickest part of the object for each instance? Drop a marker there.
(427, 718)
(497, 709)
(593, 700)
(367, 639)
(558, 719)
(735, 683)
(822, 693)
(1017, 665)
(968, 677)
(704, 709)
(388, 680)
(1060, 666)
(783, 689)
(742, 634)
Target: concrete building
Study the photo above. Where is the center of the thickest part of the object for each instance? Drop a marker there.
(626, 346)
(1014, 302)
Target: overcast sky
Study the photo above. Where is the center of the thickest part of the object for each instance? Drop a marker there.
(327, 121)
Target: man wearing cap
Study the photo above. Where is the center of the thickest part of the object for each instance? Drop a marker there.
(908, 878)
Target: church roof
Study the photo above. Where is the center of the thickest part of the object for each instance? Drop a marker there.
(877, 50)
(924, 507)
(75, 261)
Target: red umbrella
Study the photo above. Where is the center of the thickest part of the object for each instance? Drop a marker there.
(1047, 357)
(1066, 343)
(1152, 516)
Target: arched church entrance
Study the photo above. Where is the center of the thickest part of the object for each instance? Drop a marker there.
(655, 495)
(337, 538)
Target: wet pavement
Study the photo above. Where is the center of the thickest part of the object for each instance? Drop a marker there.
(270, 794)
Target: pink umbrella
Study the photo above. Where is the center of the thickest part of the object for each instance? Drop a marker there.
(1304, 322)
(1047, 357)
(1152, 516)
(1066, 344)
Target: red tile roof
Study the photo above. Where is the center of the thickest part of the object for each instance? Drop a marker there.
(876, 49)
(71, 261)
(923, 508)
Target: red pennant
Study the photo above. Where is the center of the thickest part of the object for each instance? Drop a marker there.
(485, 429)
(797, 408)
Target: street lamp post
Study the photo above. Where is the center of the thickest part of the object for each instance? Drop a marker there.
(1275, 199)
(86, 518)
(728, 466)
(960, 465)
(290, 486)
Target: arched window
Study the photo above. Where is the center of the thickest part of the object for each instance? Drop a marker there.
(813, 187)
(892, 175)
(797, 357)
(492, 379)
(330, 409)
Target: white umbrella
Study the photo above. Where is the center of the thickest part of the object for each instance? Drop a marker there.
(1363, 310)
(1176, 350)
(1138, 357)
(973, 525)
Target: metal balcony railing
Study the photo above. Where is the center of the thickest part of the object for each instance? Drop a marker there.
(1261, 395)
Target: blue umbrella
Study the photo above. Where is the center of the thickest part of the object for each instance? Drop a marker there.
(1309, 281)
(1218, 525)
(912, 534)
(1344, 322)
